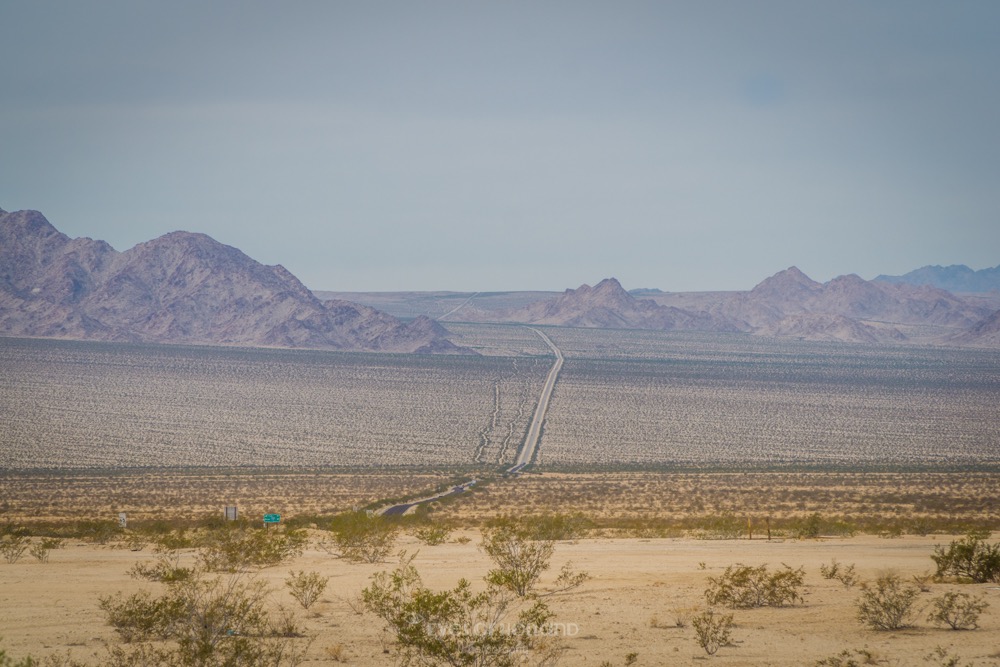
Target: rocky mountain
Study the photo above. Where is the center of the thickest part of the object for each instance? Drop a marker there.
(954, 278)
(178, 288)
(608, 305)
(985, 333)
(788, 304)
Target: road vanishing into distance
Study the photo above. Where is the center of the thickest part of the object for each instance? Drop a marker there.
(528, 449)
(527, 452)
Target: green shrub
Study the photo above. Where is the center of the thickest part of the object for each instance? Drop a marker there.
(845, 574)
(888, 605)
(712, 631)
(432, 534)
(744, 587)
(457, 626)
(13, 546)
(960, 611)
(203, 622)
(306, 588)
(239, 549)
(519, 555)
(363, 538)
(40, 550)
(970, 558)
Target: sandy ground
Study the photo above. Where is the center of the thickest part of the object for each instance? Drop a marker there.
(629, 606)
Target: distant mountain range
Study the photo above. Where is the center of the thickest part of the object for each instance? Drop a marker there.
(789, 304)
(188, 288)
(179, 288)
(954, 278)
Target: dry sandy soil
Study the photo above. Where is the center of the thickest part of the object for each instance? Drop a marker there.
(639, 588)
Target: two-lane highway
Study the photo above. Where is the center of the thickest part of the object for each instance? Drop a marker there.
(527, 452)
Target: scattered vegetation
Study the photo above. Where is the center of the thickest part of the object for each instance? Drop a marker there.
(959, 611)
(362, 537)
(240, 548)
(432, 533)
(519, 552)
(306, 588)
(887, 604)
(456, 626)
(745, 587)
(971, 558)
(845, 574)
(13, 546)
(712, 630)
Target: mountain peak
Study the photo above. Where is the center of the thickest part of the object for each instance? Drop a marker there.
(787, 282)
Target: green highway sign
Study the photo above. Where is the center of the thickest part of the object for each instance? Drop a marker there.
(272, 518)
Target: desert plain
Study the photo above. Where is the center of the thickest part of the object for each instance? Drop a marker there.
(677, 455)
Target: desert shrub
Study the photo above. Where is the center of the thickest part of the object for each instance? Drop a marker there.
(166, 569)
(845, 574)
(712, 631)
(204, 622)
(363, 538)
(888, 604)
(457, 626)
(13, 546)
(559, 527)
(969, 558)
(847, 658)
(99, 532)
(744, 587)
(941, 656)
(240, 549)
(960, 611)
(519, 555)
(40, 550)
(306, 588)
(815, 525)
(567, 580)
(432, 534)
(721, 527)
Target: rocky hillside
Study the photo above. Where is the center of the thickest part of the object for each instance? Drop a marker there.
(179, 288)
(608, 305)
(788, 304)
(954, 278)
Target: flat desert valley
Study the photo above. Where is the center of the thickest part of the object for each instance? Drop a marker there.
(673, 455)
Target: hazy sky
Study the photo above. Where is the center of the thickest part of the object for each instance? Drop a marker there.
(514, 145)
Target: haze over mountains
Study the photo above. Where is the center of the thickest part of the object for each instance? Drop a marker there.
(178, 288)
(789, 304)
(954, 278)
(188, 288)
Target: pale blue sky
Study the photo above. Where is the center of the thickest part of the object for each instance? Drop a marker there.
(514, 145)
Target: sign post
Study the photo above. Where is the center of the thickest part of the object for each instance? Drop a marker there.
(230, 512)
(271, 519)
(123, 519)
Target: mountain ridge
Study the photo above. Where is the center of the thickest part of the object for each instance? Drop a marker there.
(182, 287)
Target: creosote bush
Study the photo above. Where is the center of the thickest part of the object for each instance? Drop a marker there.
(519, 555)
(306, 587)
(361, 537)
(457, 626)
(238, 549)
(744, 587)
(207, 621)
(959, 611)
(970, 558)
(13, 546)
(712, 631)
(40, 550)
(888, 604)
(432, 534)
(845, 574)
